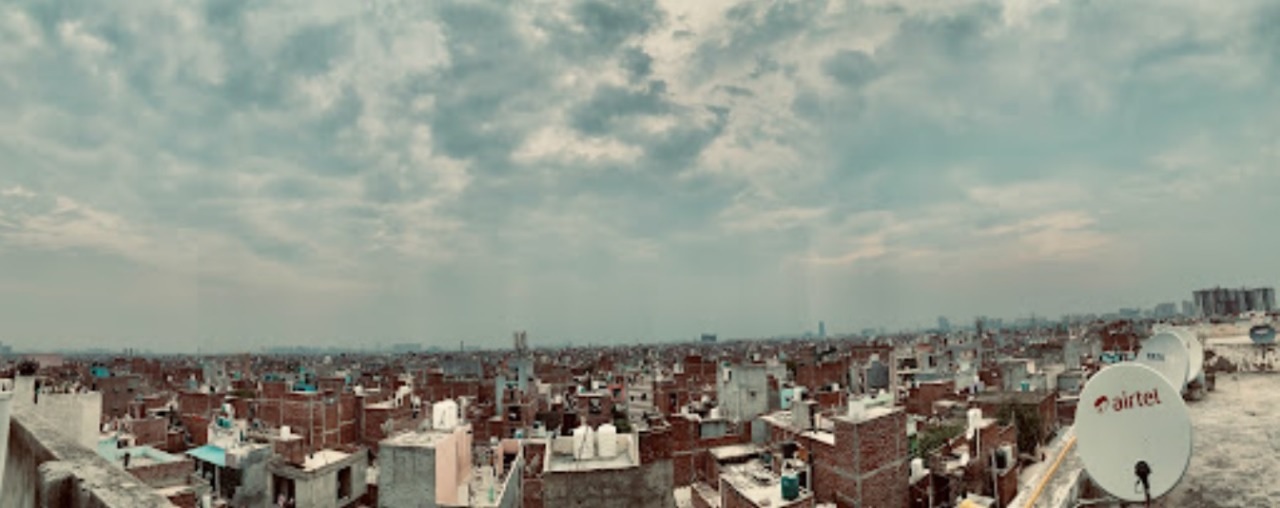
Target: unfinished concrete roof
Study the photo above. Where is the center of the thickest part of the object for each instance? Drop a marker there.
(417, 439)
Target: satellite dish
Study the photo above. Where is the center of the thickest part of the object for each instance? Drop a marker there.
(1133, 432)
(1167, 354)
(1262, 334)
(1195, 352)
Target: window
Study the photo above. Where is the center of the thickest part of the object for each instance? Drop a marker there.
(344, 483)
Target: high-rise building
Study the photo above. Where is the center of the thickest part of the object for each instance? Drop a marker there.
(1165, 310)
(1189, 309)
(822, 330)
(944, 324)
(1229, 302)
(708, 338)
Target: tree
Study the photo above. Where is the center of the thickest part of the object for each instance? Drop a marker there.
(935, 437)
(1026, 419)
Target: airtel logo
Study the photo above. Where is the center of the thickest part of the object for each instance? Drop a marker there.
(1127, 400)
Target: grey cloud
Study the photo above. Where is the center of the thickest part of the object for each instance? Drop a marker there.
(637, 63)
(676, 149)
(850, 67)
(490, 70)
(312, 50)
(749, 37)
(608, 102)
(609, 24)
(736, 91)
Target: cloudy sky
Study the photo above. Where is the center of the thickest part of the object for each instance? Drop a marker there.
(234, 173)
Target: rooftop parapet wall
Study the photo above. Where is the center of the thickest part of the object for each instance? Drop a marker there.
(46, 469)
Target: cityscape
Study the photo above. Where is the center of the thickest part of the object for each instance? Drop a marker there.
(639, 254)
(952, 416)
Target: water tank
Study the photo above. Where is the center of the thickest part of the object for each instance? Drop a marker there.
(857, 408)
(917, 467)
(975, 419)
(607, 441)
(715, 413)
(284, 431)
(877, 375)
(445, 414)
(583, 448)
(790, 486)
(1003, 456)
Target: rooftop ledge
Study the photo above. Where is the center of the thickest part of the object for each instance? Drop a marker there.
(45, 468)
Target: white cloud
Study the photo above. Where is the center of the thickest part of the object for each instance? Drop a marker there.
(976, 138)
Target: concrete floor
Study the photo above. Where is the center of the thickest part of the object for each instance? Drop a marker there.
(1235, 461)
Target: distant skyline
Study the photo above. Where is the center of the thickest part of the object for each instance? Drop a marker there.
(206, 174)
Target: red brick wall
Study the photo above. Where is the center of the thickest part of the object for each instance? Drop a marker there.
(198, 426)
(198, 403)
(184, 500)
(887, 487)
(831, 400)
(532, 475)
(151, 432)
(174, 443)
(293, 451)
(116, 395)
(920, 399)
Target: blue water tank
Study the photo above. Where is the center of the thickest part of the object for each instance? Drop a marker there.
(1263, 334)
(790, 487)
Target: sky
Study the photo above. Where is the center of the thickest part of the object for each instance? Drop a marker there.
(235, 174)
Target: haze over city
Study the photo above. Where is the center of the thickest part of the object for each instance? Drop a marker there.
(182, 175)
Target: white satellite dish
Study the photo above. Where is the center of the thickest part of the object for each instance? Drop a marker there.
(1195, 352)
(1167, 354)
(1132, 422)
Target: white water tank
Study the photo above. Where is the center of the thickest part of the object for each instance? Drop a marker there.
(857, 408)
(715, 413)
(975, 419)
(607, 441)
(444, 415)
(583, 448)
(284, 431)
(917, 468)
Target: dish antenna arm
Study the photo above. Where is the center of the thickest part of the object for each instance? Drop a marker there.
(1143, 471)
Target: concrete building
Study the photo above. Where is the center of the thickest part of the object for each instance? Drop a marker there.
(425, 468)
(742, 391)
(327, 479)
(1230, 302)
(858, 459)
(46, 465)
(630, 474)
(432, 468)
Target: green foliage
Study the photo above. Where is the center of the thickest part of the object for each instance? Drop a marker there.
(1027, 421)
(932, 438)
(621, 420)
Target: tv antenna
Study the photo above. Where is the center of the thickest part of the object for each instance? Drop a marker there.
(1133, 432)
